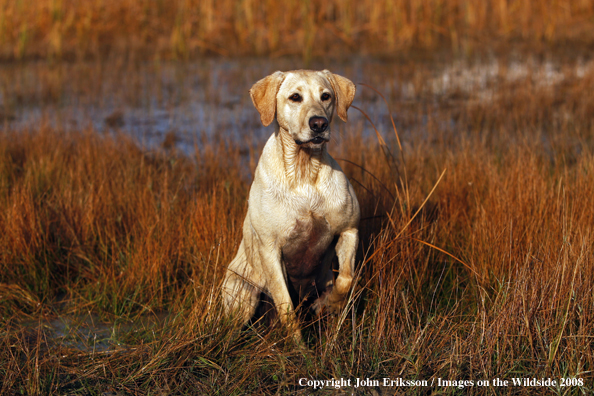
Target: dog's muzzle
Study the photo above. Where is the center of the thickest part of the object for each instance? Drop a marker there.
(316, 140)
(318, 126)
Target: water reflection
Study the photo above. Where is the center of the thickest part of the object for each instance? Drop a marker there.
(176, 104)
(90, 334)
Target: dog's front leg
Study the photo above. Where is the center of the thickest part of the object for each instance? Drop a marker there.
(346, 248)
(277, 288)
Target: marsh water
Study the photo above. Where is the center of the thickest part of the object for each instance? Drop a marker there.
(170, 105)
(177, 105)
(90, 333)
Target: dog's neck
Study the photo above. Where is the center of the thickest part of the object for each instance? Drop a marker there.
(301, 164)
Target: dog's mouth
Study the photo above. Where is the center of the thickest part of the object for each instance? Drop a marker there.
(314, 141)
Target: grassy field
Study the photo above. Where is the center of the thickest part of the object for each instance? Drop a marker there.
(484, 273)
(188, 28)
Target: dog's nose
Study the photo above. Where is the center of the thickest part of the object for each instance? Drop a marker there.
(318, 124)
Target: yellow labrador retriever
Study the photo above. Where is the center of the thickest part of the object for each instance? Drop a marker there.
(302, 209)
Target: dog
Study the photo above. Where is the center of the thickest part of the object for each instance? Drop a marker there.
(302, 209)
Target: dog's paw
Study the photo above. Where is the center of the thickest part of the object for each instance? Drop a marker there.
(335, 303)
(328, 303)
(319, 306)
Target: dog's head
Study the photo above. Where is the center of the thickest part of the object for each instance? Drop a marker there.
(303, 102)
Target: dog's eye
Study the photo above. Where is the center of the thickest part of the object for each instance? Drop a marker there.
(295, 97)
(325, 96)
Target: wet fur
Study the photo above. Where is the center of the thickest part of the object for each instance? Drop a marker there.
(302, 209)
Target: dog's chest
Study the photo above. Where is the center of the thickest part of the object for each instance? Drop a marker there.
(306, 245)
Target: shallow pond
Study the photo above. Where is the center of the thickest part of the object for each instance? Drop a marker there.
(179, 104)
(89, 333)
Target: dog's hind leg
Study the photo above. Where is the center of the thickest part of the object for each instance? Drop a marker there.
(240, 289)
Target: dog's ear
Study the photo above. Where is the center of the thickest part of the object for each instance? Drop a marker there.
(263, 95)
(345, 93)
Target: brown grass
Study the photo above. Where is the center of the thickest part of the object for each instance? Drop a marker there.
(92, 223)
(188, 28)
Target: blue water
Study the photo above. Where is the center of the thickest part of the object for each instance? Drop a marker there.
(208, 99)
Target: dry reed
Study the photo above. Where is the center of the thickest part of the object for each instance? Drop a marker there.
(189, 28)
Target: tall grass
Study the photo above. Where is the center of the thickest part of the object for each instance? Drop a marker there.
(491, 277)
(188, 28)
